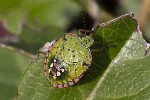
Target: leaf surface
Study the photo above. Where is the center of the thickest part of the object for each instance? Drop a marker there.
(12, 65)
(119, 71)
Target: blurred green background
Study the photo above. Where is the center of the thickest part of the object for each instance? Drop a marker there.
(28, 24)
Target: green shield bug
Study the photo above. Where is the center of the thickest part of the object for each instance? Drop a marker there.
(66, 59)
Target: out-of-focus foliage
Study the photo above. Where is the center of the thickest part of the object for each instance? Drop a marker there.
(12, 65)
(43, 13)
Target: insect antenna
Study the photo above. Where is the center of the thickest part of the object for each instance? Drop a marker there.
(84, 31)
(84, 25)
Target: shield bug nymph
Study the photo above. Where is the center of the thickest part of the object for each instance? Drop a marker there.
(67, 59)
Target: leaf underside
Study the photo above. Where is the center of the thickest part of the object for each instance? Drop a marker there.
(119, 71)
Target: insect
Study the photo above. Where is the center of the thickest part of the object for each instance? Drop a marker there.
(66, 59)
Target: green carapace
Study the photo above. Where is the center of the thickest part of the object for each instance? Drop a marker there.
(66, 59)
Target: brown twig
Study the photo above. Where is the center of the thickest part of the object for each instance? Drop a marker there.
(144, 14)
(18, 50)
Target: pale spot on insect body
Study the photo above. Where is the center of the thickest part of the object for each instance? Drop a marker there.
(54, 60)
(49, 70)
(62, 70)
(51, 65)
(58, 73)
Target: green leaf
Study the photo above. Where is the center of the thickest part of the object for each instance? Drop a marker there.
(120, 71)
(32, 39)
(12, 65)
(41, 13)
(14, 21)
(56, 13)
(127, 6)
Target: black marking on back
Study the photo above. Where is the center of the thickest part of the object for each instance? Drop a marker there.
(84, 63)
(64, 38)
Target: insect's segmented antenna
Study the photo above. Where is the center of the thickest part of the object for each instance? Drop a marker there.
(83, 14)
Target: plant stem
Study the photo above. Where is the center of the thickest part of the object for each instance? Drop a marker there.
(18, 50)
